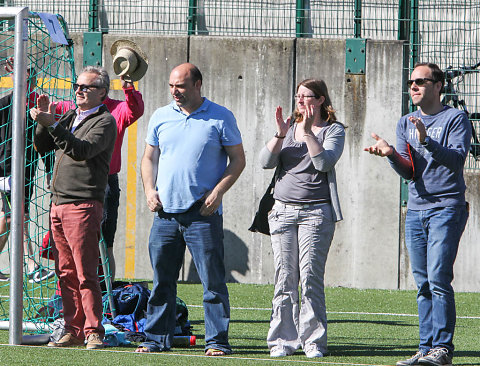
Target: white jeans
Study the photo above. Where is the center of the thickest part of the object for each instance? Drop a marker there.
(301, 238)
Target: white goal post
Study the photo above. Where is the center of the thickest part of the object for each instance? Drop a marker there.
(19, 15)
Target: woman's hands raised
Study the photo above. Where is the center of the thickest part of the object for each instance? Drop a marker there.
(282, 125)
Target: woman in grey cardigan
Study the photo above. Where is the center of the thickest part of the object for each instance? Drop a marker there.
(302, 221)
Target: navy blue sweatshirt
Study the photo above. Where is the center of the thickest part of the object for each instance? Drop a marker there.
(436, 176)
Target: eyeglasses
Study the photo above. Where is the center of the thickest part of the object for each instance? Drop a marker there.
(84, 88)
(419, 81)
(297, 96)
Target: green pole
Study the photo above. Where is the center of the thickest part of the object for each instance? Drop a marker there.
(93, 16)
(300, 19)
(408, 31)
(414, 33)
(403, 20)
(404, 23)
(192, 17)
(93, 39)
(358, 19)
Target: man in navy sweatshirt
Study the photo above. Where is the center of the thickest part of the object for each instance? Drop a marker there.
(432, 145)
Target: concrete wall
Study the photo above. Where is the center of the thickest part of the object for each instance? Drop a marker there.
(251, 76)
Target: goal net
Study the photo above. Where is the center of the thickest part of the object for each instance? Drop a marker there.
(50, 71)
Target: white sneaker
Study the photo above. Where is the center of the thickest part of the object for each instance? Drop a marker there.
(278, 351)
(39, 274)
(312, 351)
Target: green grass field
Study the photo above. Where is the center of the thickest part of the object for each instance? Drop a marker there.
(365, 327)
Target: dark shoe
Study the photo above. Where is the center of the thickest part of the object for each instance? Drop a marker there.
(436, 357)
(412, 360)
(39, 274)
(3, 278)
(66, 341)
(94, 341)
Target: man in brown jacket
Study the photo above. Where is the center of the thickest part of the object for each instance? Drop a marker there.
(83, 140)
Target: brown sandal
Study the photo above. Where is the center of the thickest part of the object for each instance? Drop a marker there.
(214, 352)
(142, 349)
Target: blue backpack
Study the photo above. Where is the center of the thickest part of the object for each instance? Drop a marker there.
(130, 301)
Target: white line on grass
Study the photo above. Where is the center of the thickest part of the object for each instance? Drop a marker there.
(30, 297)
(343, 312)
(328, 312)
(169, 354)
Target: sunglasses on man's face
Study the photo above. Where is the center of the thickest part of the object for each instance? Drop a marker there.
(84, 88)
(419, 81)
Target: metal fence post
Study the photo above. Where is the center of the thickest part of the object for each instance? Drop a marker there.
(93, 16)
(300, 19)
(408, 31)
(404, 8)
(405, 23)
(413, 33)
(192, 17)
(358, 19)
(92, 40)
(404, 20)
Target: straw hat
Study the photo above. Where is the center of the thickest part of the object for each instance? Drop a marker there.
(129, 60)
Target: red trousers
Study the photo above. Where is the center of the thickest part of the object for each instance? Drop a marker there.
(76, 232)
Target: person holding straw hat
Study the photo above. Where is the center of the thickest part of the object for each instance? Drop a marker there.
(130, 63)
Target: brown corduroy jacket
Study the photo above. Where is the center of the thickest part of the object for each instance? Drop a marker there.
(82, 157)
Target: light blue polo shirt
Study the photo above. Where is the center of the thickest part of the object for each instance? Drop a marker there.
(192, 155)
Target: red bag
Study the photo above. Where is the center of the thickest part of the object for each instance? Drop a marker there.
(46, 251)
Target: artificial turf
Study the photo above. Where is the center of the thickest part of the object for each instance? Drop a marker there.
(365, 327)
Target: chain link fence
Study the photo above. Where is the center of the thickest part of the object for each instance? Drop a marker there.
(446, 32)
(280, 18)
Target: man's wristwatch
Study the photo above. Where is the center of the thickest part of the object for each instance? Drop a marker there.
(278, 136)
(425, 142)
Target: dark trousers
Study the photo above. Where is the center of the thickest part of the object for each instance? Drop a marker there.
(110, 210)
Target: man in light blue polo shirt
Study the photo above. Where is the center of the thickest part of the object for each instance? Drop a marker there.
(193, 155)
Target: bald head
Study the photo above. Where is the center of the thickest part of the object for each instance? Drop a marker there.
(185, 84)
(189, 71)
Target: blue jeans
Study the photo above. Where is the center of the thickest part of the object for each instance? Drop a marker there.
(432, 238)
(110, 210)
(203, 235)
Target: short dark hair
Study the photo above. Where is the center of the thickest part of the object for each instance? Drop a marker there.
(196, 74)
(437, 73)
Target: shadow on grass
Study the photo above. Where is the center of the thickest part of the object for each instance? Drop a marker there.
(380, 322)
(457, 359)
(394, 351)
(196, 322)
(251, 350)
(346, 350)
(246, 321)
(359, 349)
